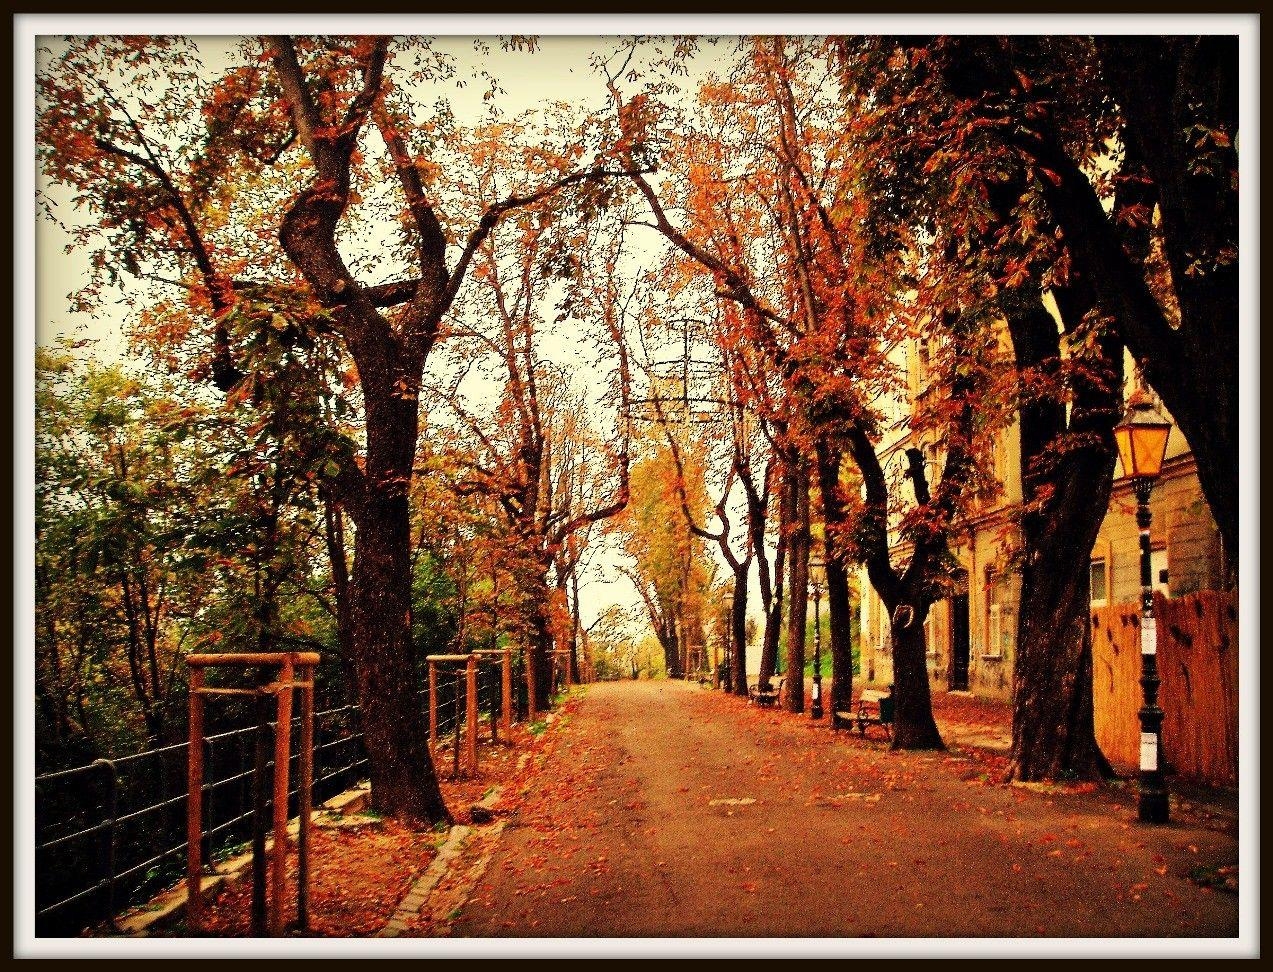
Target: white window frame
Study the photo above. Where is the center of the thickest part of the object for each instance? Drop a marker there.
(1104, 601)
(993, 648)
(994, 633)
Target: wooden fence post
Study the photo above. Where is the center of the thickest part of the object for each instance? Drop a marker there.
(528, 677)
(296, 671)
(194, 806)
(433, 704)
(282, 747)
(306, 795)
(506, 716)
(470, 679)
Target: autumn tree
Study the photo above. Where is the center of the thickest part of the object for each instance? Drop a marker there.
(1176, 103)
(1165, 263)
(535, 454)
(670, 570)
(250, 185)
(709, 429)
(1010, 144)
(770, 189)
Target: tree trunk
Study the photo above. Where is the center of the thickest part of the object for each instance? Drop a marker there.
(1067, 494)
(839, 604)
(738, 633)
(773, 617)
(402, 776)
(575, 628)
(334, 534)
(671, 651)
(914, 726)
(539, 669)
(798, 573)
(1053, 733)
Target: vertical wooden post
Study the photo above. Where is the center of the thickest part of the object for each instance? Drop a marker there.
(470, 680)
(506, 677)
(260, 801)
(491, 682)
(433, 703)
(306, 796)
(528, 673)
(282, 746)
(194, 803)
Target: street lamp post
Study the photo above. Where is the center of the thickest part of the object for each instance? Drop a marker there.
(815, 711)
(726, 672)
(1142, 445)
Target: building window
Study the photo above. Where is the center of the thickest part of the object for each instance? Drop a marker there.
(923, 359)
(933, 460)
(1001, 615)
(999, 457)
(1099, 587)
(1158, 571)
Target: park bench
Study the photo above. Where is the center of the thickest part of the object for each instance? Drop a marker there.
(874, 708)
(764, 696)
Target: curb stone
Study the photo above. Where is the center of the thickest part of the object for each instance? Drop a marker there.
(459, 838)
(410, 906)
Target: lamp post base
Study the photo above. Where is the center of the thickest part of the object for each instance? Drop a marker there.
(1153, 806)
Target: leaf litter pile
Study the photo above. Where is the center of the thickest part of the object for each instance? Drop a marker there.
(359, 874)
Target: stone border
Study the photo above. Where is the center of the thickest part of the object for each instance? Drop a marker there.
(413, 904)
(410, 906)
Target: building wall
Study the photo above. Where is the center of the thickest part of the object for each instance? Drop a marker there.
(1181, 527)
(1182, 534)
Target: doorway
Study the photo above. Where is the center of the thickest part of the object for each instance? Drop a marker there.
(959, 642)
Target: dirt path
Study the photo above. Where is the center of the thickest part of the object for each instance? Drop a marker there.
(662, 809)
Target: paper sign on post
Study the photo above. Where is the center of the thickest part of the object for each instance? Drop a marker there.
(1148, 636)
(1149, 751)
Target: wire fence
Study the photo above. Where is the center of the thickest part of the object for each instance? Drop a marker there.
(110, 834)
(452, 701)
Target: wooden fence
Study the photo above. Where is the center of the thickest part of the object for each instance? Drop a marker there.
(1198, 665)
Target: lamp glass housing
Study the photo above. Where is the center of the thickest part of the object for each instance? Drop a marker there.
(1142, 439)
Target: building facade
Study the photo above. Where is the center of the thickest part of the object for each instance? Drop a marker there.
(971, 635)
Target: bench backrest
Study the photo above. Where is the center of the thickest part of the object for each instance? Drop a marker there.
(886, 709)
(883, 699)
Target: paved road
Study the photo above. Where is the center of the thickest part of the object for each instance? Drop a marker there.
(662, 809)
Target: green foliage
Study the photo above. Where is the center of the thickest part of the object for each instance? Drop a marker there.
(433, 607)
(146, 550)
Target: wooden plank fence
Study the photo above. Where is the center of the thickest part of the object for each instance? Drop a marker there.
(1198, 665)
